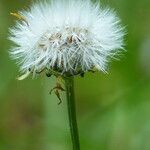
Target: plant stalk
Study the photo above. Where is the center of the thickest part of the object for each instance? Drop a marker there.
(69, 82)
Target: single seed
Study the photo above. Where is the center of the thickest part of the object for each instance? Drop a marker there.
(70, 39)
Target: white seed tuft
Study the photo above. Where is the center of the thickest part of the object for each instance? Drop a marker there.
(67, 36)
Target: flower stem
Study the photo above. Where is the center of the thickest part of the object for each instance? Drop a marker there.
(72, 112)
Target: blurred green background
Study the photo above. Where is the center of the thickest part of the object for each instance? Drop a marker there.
(113, 109)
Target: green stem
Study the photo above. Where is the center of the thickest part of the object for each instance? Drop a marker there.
(72, 112)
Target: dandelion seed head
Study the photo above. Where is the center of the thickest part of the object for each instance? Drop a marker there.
(66, 36)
